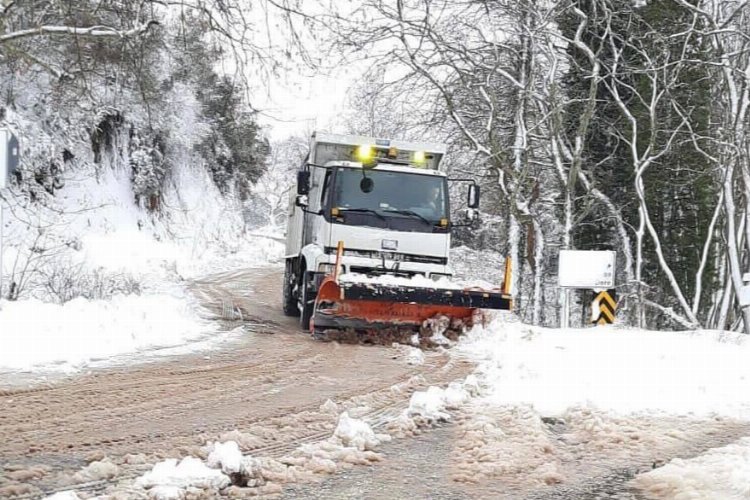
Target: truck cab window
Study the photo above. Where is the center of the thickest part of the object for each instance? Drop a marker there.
(392, 193)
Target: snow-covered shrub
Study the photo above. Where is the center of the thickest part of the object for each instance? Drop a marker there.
(63, 283)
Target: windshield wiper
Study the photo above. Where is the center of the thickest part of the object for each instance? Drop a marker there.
(364, 210)
(413, 214)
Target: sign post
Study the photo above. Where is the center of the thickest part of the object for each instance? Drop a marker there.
(9, 154)
(590, 269)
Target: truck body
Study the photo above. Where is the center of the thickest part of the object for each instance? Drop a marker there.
(386, 201)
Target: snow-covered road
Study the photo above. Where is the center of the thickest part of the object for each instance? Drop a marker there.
(283, 398)
(426, 467)
(266, 389)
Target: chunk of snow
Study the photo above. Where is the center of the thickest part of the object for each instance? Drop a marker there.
(167, 493)
(64, 495)
(356, 433)
(438, 326)
(95, 471)
(471, 385)
(428, 404)
(190, 471)
(433, 403)
(415, 356)
(329, 407)
(455, 395)
(225, 456)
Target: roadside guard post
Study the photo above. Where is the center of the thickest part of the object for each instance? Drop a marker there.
(603, 308)
(591, 270)
(9, 153)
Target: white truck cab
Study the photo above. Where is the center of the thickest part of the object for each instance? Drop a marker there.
(386, 200)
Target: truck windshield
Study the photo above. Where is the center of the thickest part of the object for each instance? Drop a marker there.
(387, 193)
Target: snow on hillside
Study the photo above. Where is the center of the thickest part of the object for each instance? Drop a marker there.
(112, 284)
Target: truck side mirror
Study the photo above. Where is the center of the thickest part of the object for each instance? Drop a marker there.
(303, 182)
(473, 200)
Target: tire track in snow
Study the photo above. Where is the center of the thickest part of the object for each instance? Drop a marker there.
(273, 385)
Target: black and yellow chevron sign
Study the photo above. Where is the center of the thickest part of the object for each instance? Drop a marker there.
(607, 305)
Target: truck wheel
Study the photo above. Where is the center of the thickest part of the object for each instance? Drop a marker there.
(290, 301)
(308, 302)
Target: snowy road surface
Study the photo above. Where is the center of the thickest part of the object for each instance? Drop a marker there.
(268, 390)
(269, 385)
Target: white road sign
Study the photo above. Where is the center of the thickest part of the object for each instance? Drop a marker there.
(587, 269)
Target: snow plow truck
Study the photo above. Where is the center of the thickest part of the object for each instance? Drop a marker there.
(368, 241)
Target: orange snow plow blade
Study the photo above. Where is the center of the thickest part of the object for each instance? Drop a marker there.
(365, 306)
(374, 308)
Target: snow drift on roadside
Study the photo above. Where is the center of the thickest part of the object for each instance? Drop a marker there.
(97, 230)
(720, 473)
(137, 253)
(33, 333)
(621, 370)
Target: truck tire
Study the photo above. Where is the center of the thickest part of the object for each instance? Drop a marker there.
(308, 302)
(289, 300)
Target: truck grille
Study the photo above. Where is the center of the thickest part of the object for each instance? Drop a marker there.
(394, 256)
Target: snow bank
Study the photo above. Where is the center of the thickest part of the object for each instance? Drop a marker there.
(197, 231)
(720, 473)
(36, 333)
(622, 370)
(93, 227)
(139, 254)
